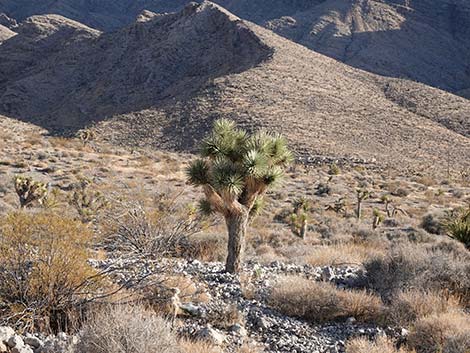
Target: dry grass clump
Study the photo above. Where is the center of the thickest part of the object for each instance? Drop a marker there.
(444, 265)
(381, 345)
(319, 302)
(343, 253)
(207, 247)
(410, 305)
(44, 273)
(198, 346)
(446, 333)
(124, 329)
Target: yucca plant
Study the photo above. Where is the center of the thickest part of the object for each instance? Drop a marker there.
(458, 226)
(235, 171)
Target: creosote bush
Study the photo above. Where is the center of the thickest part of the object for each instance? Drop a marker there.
(44, 274)
(446, 333)
(320, 301)
(235, 171)
(126, 329)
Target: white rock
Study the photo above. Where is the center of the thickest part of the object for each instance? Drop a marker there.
(5, 333)
(191, 309)
(211, 335)
(15, 341)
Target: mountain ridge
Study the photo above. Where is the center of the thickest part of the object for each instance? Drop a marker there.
(162, 81)
(422, 40)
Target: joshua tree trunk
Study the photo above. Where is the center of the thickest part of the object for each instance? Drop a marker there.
(303, 229)
(236, 226)
(359, 209)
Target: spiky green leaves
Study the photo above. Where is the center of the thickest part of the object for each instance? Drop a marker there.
(227, 178)
(198, 172)
(225, 141)
(238, 167)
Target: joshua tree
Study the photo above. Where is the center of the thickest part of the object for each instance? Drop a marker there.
(298, 218)
(378, 218)
(87, 202)
(86, 135)
(361, 196)
(29, 190)
(386, 200)
(235, 171)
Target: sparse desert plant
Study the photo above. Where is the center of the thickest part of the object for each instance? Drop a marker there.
(378, 218)
(87, 201)
(235, 171)
(29, 190)
(320, 301)
(126, 329)
(457, 225)
(446, 333)
(44, 272)
(86, 135)
(380, 345)
(136, 229)
(298, 219)
(334, 169)
(361, 195)
(338, 207)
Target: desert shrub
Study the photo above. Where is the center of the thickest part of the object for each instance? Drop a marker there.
(381, 345)
(433, 223)
(431, 267)
(126, 329)
(319, 301)
(136, 229)
(44, 274)
(446, 333)
(410, 305)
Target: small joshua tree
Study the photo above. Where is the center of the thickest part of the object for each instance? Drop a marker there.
(377, 219)
(86, 135)
(87, 202)
(235, 171)
(299, 222)
(29, 191)
(361, 196)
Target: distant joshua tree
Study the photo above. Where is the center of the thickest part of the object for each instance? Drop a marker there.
(235, 171)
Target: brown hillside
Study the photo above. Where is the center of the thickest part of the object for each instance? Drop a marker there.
(163, 80)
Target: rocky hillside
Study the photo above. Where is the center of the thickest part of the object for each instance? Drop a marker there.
(164, 79)
(423, 40)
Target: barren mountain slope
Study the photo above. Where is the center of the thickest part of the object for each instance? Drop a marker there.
(423, 40)
(163, 80)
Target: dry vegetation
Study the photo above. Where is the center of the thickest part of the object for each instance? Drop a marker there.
(319, 302)
(427, 286)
